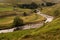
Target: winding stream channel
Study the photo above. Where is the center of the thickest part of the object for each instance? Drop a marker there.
(29, 26)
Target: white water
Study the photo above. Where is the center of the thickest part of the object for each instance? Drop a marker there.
(37, 25)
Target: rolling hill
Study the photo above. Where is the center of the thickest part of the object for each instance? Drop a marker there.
(50, 31)
(29, 1)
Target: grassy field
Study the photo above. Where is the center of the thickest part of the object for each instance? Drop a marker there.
(45, 33)
(50, 26)
(7, 22)
(32, 18)
(15, 35)
(7, 15)
(50, 31)
(6, 9)
(53, 10)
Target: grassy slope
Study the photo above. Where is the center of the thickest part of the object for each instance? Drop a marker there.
(51, 31)
(55, 24)
(32, 18)
(15, 35)
(5, 9)
(37, 1)
(48, 32)
(6, 22)
(53, 10)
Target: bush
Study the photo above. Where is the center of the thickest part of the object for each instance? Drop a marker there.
(17, 22)
(25, 14)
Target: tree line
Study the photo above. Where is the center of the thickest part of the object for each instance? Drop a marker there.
(33, 5)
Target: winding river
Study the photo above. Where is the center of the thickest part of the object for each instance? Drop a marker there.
(29, 26)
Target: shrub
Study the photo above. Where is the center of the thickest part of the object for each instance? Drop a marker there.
(25, 14)
(17, 22)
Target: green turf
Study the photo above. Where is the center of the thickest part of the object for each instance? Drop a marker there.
(42, 33)
(51, 31)
(15, 35)
(6, 9)
(53, 10)
(7, 22)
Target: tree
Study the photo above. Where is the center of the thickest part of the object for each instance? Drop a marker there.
(25, 14)
(33, 5)
(17, 22)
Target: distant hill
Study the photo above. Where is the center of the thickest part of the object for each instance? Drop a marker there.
(37, 1)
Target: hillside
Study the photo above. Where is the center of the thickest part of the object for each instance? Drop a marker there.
(37, 1)
(53, 10)
(50, 31)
